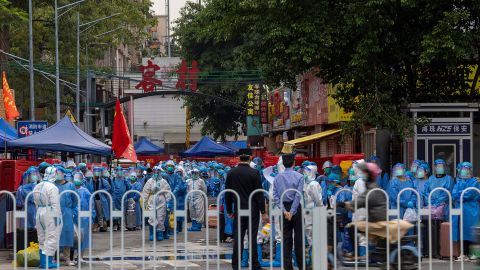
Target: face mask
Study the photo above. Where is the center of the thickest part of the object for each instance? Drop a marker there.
(440, 170)
(327, 171)
(352, 178)
(413, 168)
(97, 173)
(77, 182)
(170, 169)
(155, 175)
(33, 178)
(195, 176)
(58, 178)
(399, 172)
(331, 186)
(133, 179)
(420, 174)
(464, 173)
(120, 174)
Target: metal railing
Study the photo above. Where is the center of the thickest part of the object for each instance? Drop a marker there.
(323, 255)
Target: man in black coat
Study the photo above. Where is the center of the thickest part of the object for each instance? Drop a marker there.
(245, 180)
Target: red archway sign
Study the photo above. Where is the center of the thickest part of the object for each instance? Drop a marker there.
(188, 76)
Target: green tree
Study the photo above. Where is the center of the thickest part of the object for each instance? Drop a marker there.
(133, 18)
(214, 108)
(381, 54)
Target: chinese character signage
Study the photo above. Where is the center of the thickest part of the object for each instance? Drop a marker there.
(445, 129)
(253, 100)
(280, 109)
(255, 118)
(27, 128)
(264, 111)
(297, 106)
(188, 76)
(149, 81)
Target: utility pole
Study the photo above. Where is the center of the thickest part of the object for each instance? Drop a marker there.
(168, 28)
(57, 60)
(30, 47)
(78, 70)
(57, 65)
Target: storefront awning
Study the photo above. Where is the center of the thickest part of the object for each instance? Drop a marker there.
(289, 145)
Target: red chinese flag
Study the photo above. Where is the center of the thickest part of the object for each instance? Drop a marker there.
(11, 111)
(121, 142)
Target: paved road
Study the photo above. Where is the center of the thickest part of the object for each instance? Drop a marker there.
(194, 254)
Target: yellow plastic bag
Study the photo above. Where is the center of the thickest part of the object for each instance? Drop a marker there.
(33, 256)
(171, 220)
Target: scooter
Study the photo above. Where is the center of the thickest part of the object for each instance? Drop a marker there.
(378, 255)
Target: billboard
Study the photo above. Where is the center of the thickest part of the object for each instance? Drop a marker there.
(27, 128)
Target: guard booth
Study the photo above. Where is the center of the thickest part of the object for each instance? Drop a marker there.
(449, 135)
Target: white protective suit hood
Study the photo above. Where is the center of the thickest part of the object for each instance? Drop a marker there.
(50, 174)
(310, 173)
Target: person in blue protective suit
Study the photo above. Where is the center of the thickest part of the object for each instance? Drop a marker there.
(411, 173)
(84, 227)
(82, 167)
(119, 187)
(29, 179)
(421, 178)
(179, 189)
(333, 187)
(69, 207)
(399, 181)
(347, 239)
(101, 202)
(106, 175)
(338, 170)
(439, 178)
(470, 211)
(382, 179)
(259, 166)
(133, 184)
(214, 185)
(322, 179)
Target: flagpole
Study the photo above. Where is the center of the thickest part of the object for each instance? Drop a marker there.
(5, 140)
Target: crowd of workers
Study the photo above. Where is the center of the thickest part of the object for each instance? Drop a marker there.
(54, 189)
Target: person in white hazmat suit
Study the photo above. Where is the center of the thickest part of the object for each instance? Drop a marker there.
(360, 214)
(47, 201)
(196, 201)
(155, 195)
(312, 194)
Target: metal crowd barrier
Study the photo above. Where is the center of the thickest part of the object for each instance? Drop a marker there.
(322, 258)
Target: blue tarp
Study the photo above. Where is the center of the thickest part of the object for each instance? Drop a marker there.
(64, 136)
(146, 147)
(206, 147)
(11, 132)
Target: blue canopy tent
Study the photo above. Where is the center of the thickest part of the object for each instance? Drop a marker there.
(206, 147)
(11, 133)
(235, 145)
(64, 136)
(7, 132)
(145, 147)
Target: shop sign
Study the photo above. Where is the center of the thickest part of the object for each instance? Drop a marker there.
(27, 128)
(445, 129)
